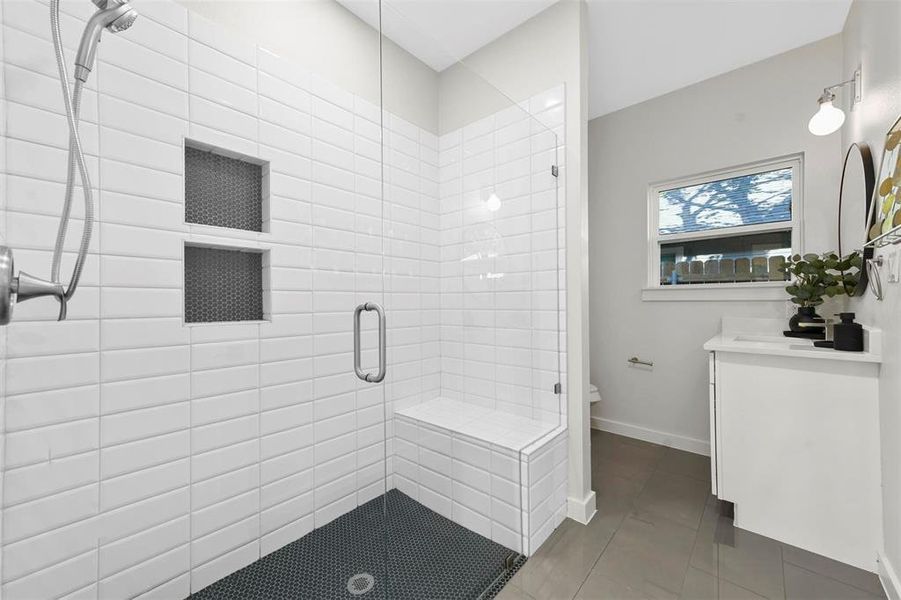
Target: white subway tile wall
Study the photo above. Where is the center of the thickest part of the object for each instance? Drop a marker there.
(544, 464)
(146, 457)
(4, 191)
(498, 474)
(502, 260)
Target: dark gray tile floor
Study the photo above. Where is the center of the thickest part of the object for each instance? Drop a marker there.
(658, 534)
(391, 548)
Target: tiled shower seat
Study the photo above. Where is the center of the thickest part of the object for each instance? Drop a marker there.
(478, 466)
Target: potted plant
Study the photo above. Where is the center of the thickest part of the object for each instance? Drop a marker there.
(816, 277)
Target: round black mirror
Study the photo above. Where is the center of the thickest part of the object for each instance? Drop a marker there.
(854, 198)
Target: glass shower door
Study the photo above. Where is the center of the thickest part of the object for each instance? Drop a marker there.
(471, 272)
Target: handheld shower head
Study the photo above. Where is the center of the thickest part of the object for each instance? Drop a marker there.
(115, 15)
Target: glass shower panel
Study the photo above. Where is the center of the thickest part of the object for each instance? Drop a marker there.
(471, 228)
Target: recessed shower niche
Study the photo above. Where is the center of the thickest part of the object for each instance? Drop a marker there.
(228, 190)
(223, 284)
(225, 189)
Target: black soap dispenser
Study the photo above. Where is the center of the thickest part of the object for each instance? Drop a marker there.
(848, 335)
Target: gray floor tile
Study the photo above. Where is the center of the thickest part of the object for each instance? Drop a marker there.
(648, 556)
(511, 592)
(741, 557)
(607, 437)
(676, 497)
(624, 462)
(560, 566)
(700, 585)
(625, 453)
(667, 540)
(801, 584)
(635, 469)
(853, 576)
(689, 464)
(615, 493)
(601, 587)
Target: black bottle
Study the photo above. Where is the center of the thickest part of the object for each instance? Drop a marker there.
(848, 335)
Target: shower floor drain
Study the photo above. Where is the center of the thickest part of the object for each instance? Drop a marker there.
(360, 583)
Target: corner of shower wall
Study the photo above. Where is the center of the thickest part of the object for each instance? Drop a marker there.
(503, 304)
(486, 253)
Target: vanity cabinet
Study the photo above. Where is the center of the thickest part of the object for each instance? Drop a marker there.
(794, 439)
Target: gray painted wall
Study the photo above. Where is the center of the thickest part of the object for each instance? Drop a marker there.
(750, 114)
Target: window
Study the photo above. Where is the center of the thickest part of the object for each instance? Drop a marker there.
(732, 228)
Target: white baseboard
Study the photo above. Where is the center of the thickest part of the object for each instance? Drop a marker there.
(652, 435)
(889, 578)
(582, 510)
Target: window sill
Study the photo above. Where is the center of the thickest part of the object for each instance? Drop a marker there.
(736, 292)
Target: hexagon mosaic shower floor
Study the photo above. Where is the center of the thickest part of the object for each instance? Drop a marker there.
(428, 557)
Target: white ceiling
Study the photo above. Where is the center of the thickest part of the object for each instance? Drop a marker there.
(640, 49)
(441, 32)
(643, 49)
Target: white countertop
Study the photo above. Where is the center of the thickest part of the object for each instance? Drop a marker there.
(764, 336)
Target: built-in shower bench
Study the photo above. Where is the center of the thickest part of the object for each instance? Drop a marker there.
(496, 473)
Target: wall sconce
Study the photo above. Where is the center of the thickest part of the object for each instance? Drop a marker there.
(829, 118)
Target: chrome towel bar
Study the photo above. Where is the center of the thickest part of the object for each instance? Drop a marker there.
(637, 361)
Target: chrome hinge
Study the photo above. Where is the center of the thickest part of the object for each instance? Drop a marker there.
(555, 171)
(558, 389)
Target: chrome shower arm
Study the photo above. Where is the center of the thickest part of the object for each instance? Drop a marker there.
(24, 287)
(27, 286)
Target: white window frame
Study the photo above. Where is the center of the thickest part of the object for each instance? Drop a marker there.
(755, 290)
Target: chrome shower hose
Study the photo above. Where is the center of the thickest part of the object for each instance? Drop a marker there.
(76, 160)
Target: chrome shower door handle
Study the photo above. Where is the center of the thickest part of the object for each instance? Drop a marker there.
(383, 353)
(357, 368)
(383, 359)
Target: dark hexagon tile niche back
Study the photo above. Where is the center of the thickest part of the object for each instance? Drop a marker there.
(223, 191)
(223, 285)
